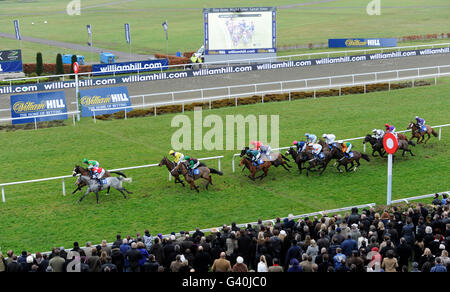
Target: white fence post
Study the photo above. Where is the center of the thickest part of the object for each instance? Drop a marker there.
(64, 187)
(3, 195)
(440, 132)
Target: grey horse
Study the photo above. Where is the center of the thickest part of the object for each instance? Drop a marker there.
(94, 187)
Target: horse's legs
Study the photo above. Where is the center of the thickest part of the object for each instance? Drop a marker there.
(283, 165)
(107, 192)
(96, 195)
(87, 192)
(77, 189)
(410, 152)
(120, 190)
(427, 138)
(373, 153)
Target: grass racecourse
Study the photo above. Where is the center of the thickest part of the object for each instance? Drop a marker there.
(298, 22)
(36, 216)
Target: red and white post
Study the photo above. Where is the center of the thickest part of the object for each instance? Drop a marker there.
(390, 143)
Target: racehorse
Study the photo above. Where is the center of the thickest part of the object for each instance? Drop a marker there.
(343, 160)
(322, 163)
(416, 133)
(276, 159)
(84, 171)
(299, 158)
(254, 169)
(403, 145)
(377, 145)
(170, 166)
(94, 186)
(203, 172)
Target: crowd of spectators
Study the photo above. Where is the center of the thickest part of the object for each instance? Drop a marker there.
(408, 238)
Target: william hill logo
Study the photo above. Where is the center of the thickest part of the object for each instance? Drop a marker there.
(98, 100)
(355, 43)
(30, 106)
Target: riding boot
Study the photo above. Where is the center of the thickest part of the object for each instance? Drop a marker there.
(100, 183)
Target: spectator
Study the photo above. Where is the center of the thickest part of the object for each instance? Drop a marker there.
(177, 264)
(2, 263)
(404, 252)
(14, 266)
(339, 258)
(427, 257)
(108, 266)
(294, 266)
(142, 249)
(348, 246)
(151, 265)
(312, 250)
(262, 265)
(240, 267)
(444, 199)
(124, 248)
(390, 263)
(117, 258)
(106, 248)
(57, 262)
(201, 261)
(133, 256)
(221, 264)
(438, 267)
(276, 266)
(436, 200)
(94, 261)
(148, 239)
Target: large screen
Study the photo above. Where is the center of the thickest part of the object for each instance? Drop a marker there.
(244, 30)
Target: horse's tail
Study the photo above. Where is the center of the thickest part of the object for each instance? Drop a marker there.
(433, 132)
(365, 157)
(284, 157)
(411, 142)
(119, 173)
(125, 179)
(212, 170)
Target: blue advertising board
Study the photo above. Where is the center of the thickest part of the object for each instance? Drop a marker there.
(104, 100)
(11, 61)
(130, 67)
(36, 105)
(361, 43)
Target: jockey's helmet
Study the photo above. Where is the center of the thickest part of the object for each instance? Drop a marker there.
(171, 152)
(295, 142)
(307, 134)
(324, 135)
(85, 160)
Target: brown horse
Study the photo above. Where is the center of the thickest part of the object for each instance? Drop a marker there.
(254, 169)
(345, 160)
(83, 171)
(276, 159)
(401, 136)
(204, 172)
(403, 145)
(170, 166)
(416, 133)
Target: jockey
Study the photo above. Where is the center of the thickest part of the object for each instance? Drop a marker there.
(265, 149)
(389, 128)
(329, 138)
(310, 138)
(253, 154)
(98, 173)
(178, 156)
(378, 133)
(256, 144)
(317, 148)
(420, 124)
(301, 146)
(346, 148)
(192, 164)
(91, 163)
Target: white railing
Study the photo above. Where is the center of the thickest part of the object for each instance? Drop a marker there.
(69, 176)
(281, 89)
(269, 60)
(283, 86)
(348, 139)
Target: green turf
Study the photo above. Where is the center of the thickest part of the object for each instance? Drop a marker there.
(36, 216)
(296, 25)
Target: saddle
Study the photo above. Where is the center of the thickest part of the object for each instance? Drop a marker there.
(258, 162)
(423, 128)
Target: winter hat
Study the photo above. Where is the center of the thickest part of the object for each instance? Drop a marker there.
(30, 260)
(239, 260)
